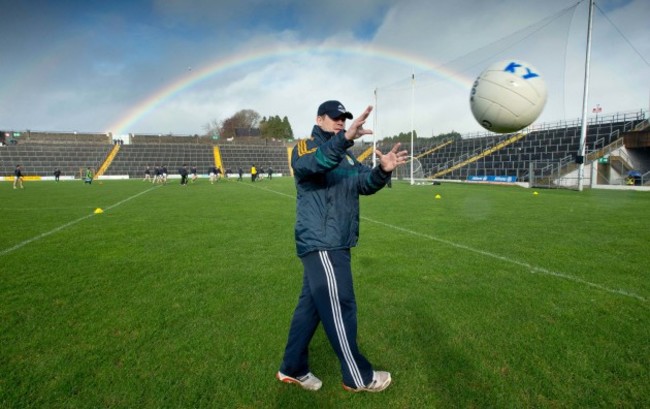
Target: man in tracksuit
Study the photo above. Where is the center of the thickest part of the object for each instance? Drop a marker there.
(329, 181)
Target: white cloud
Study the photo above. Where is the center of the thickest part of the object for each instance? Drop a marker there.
(320, 53)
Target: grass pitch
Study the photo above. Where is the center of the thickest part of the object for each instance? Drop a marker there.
(181, 297)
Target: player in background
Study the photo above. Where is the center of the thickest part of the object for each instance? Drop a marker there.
(147, 175)
(213, 174)
(18, 177)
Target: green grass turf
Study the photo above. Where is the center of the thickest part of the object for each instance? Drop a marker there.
(181, 297)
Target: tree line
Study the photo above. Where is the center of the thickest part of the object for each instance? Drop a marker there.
(250, 122)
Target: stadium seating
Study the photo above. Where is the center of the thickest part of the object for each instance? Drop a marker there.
(538, 148)
(139, 139)
(235, 156)
(545, 148)
(37, 159)
(39, 137)
(133, 159)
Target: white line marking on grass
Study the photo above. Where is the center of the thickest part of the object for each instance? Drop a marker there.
(40, 236)
(132, 197)
(530, 267)
(72, 223)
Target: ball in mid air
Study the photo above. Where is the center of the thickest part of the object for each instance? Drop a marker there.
(508, 96)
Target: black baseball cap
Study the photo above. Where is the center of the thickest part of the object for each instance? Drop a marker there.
(333, 109)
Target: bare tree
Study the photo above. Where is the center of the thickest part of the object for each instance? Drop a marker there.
(246, 118)
(271, 127)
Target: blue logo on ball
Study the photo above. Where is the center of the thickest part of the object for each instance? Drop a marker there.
(512, 67)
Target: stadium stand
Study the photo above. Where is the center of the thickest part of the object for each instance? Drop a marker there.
(235, 156)
(538, 148)
(175, 151)
(139, 139)
(133, 159)
(547, 149)
(41, 137)
(39, 159)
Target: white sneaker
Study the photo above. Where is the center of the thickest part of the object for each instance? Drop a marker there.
(309, 381)
(380, 381)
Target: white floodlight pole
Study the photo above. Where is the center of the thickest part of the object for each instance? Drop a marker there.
(412, 126)
(583, 131)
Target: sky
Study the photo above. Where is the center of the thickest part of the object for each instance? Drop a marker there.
(175, 66)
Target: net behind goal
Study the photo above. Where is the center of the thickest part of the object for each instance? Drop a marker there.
(404, 172)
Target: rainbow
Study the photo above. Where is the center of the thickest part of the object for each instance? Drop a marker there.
(193, 77)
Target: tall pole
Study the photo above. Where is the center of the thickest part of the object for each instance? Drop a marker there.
(583, 132)
(374, 134)
(412, 126)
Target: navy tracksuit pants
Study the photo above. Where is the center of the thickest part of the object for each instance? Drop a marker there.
(327, 296)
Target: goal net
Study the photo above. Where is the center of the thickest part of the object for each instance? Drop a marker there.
(404, 172)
